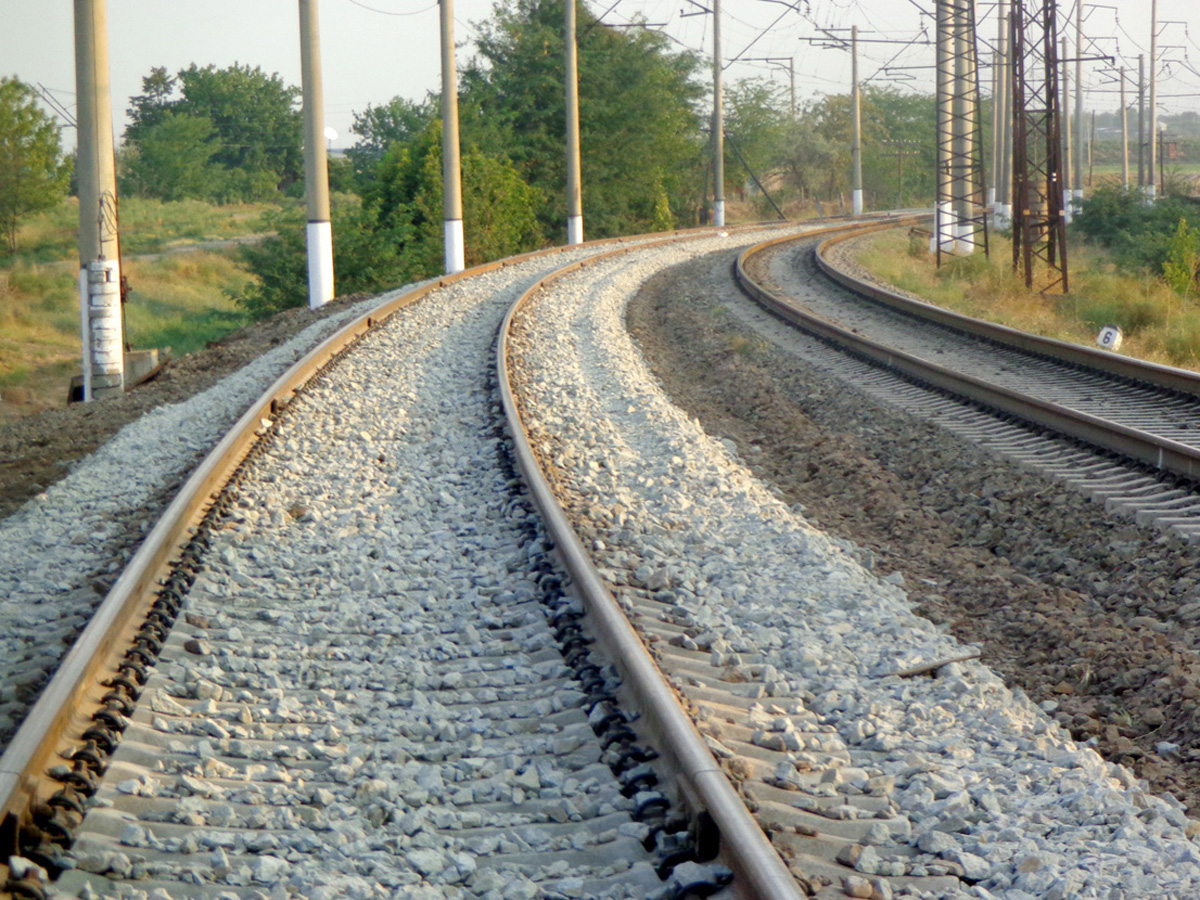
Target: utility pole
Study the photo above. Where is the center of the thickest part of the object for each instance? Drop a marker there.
(997, 107)
(1124, 135)
(1078, 185)
(856, 141)
(319, 230)
(943, 230)
(1039, 226)
(1151, 187)
(718, 124)
(1004, 188)
(1092, 150)
(102, 332)
(1068, 143)
(574, 168)
(1141, 122)
(455, 252)
(961, 212)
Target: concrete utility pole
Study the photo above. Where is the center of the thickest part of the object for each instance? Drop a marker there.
(965, 133)
(319, 231)
(1004, 190)
(943, 228)
(574, 169)
(718, 125)
(455, 247)
(856, 141)
(1124, 135)
(1078, 186)
(997, 108)
(1151, 187)
(101, 328)
(1141, 141)
(1068, 143)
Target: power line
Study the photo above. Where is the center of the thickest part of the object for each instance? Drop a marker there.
(386, 12)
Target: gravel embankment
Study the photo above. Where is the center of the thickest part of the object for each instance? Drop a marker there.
(61, 551)
(366, 699)
(987, 778)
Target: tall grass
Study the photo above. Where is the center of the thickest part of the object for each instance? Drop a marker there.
(178, 300)
(147, 226)
(1158, 324)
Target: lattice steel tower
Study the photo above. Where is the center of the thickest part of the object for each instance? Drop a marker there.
(1039, 223)
(961, 215)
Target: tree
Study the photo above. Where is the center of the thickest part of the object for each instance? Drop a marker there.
(173, 159)
(638, 114)
(378, 127)
(255, 125)
(366, 257)
(33, 174)
(499, 208)
(1183, 259)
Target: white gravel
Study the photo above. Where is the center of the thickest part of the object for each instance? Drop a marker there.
(380, 709)
(986, 778)
(54, 546)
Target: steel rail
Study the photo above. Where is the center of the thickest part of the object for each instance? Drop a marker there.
(1155, 451)
(759, 870)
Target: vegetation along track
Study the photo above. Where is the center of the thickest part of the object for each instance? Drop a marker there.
(337, 723)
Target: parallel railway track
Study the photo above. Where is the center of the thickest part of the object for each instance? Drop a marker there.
(1145, 414)
(377, 682)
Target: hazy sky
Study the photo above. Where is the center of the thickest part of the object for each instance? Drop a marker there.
(376, 49)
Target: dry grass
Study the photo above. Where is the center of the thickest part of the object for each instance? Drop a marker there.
(1158, 324)
(179, 299)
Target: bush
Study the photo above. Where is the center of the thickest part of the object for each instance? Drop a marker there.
(366, 258)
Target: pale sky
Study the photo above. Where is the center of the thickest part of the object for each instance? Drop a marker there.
(376, 49)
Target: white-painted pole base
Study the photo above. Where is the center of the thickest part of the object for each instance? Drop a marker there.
(85, 334)
(858, 202)
(104, 343)
(1151, 192)
(574, 229)
(320, 263)
(943, 229)
(1003, 219)
(455, 246)
(719, 213)
(964, 243)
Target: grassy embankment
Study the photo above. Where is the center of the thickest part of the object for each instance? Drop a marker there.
(1158, 324)
(178, 287)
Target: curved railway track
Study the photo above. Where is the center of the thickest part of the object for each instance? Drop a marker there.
(1145, 414)
(369, 669)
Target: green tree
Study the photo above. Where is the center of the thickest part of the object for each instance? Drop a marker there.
(254, 119)
(499, 208)
(638, 114)
(1182, 264)
(173, 159)
(366, 257)
(758, 123)
(378, 127)
(33, 174)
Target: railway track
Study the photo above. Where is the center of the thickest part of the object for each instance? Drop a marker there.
(1061, 396)
(389, 677)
